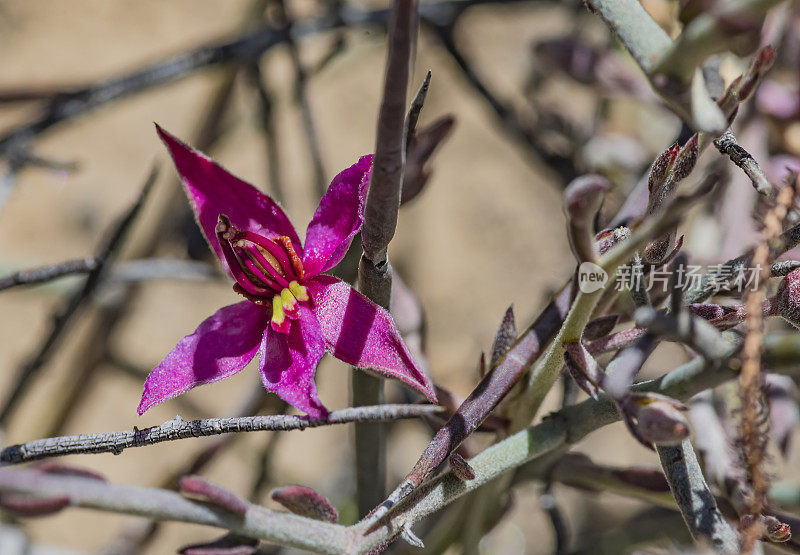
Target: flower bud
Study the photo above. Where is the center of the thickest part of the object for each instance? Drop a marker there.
(662, 423)
(655, 419)
(788, 298)
(775, 530)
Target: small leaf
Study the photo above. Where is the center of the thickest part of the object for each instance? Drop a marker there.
(661, 165)
(30, 506)
(306, 502)
(230, 544)
(409, 537)
(205, 490)
(583, 368)
(656, 419)
(788, 297)
(600, 327)
(420, 151)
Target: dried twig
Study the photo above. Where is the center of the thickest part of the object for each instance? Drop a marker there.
(751, 391)
(726, 144)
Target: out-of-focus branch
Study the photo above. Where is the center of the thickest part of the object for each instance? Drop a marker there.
(157, 504)
(712, 282)
(267, 120)
(69, 104)
(116, 442)
(563, 166)
(643, 38)
(301, 97)
(708, 34)
(105, 255)
(48, 273)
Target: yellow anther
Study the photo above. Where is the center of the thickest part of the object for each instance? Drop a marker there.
(299, 291)
(288, 300)
(278, 315)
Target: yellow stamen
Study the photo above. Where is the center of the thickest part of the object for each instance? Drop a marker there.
(288, 300)
(299, 291)
(278, 315)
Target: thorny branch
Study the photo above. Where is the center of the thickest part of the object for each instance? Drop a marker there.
(565, 427)
(672, 68)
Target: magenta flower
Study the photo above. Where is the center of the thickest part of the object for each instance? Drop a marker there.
(293, 312)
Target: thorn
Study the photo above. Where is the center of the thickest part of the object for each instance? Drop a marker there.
(505, 336)
(410, 538)
(461, 468)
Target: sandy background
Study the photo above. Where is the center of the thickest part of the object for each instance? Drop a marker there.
(488, 232)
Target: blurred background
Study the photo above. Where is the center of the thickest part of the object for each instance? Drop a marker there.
(486, 232)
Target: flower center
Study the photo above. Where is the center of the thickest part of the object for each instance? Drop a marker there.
(267, 271)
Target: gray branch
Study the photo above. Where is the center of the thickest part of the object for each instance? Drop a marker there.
(695, 500)
(116, 442)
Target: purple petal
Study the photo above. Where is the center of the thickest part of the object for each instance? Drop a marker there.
(337, 219)
(220, 347)
(361, 333)
(289, 362)
(213, 191)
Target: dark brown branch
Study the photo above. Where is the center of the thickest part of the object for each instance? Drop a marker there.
(301, 97)
(267, 117)
(69, 104)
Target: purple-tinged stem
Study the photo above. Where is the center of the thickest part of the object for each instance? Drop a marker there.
(380, 222)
